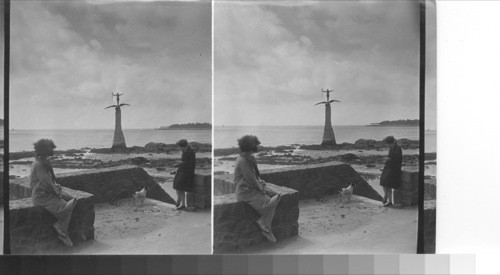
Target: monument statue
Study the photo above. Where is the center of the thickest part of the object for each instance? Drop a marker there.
(328, 135)
(118, 138)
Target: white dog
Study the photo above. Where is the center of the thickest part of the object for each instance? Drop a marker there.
(140, 195)
(347, 192)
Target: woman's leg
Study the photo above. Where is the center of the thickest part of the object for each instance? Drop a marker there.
(389, 195)
(273, 203)
(179, 196)
(386, 194)
(183, 198)
(69, 209)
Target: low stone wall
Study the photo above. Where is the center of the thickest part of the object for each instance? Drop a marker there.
(1, 187)
(201, 196)
(234, 222)
(407, 194)
(430, 226)
(430, 189)
(106, 184)
(310, 180)
(31, 226)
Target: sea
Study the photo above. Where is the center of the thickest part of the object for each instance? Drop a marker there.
(22, 140)
(224, 136)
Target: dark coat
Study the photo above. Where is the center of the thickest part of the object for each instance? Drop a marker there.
(184, 178)
(391, 174)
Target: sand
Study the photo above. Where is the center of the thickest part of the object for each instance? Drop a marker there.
(362, 226)
(153, 228)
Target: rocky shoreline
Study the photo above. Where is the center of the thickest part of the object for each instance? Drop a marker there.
(160, 157)
(360, 144)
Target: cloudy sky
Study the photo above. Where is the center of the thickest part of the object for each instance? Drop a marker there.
(273, 60)
(67, 58)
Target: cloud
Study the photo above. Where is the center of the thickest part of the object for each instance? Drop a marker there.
(67, 58)
(273, 61)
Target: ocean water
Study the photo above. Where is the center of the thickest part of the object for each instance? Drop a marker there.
(22, 140)
(226, 137)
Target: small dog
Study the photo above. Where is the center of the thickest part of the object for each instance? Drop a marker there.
(347, 192)
(140, 195)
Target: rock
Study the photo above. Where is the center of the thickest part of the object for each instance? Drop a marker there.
(348, 157)
(430, 156)
(139, 160)
(365, 143)
(156, 146)
(234, 222)
(31, 226)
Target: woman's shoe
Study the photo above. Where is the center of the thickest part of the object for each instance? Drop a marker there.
(66, 240)
(262, 225)
(387, 204)
(58, 227)
(180, 207)
(269, 236)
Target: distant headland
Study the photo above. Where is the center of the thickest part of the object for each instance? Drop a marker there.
(187, 126)
(401, 122)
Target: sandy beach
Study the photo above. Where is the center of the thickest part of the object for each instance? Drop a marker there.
(362, 226)
(153, 228)
(328, 226)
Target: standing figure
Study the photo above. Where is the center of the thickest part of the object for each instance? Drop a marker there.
(184, 178)
(251, 189)
(47, 193)
(391, 174)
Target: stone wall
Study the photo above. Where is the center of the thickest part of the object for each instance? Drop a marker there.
(430, 226)
(201, 197)
(31, 226)
(1, 187)
(310, 180)
(106, 184)
(224, 184)
(407, 194)
(234, 222)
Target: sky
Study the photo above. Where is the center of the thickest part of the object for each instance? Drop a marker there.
(68, 57)
(271, 62)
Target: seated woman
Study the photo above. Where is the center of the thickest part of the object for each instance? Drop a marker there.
(251, 189)
(391, 174)
(47, 193)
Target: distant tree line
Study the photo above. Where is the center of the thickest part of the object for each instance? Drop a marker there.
(401, 122)
(188, 126)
